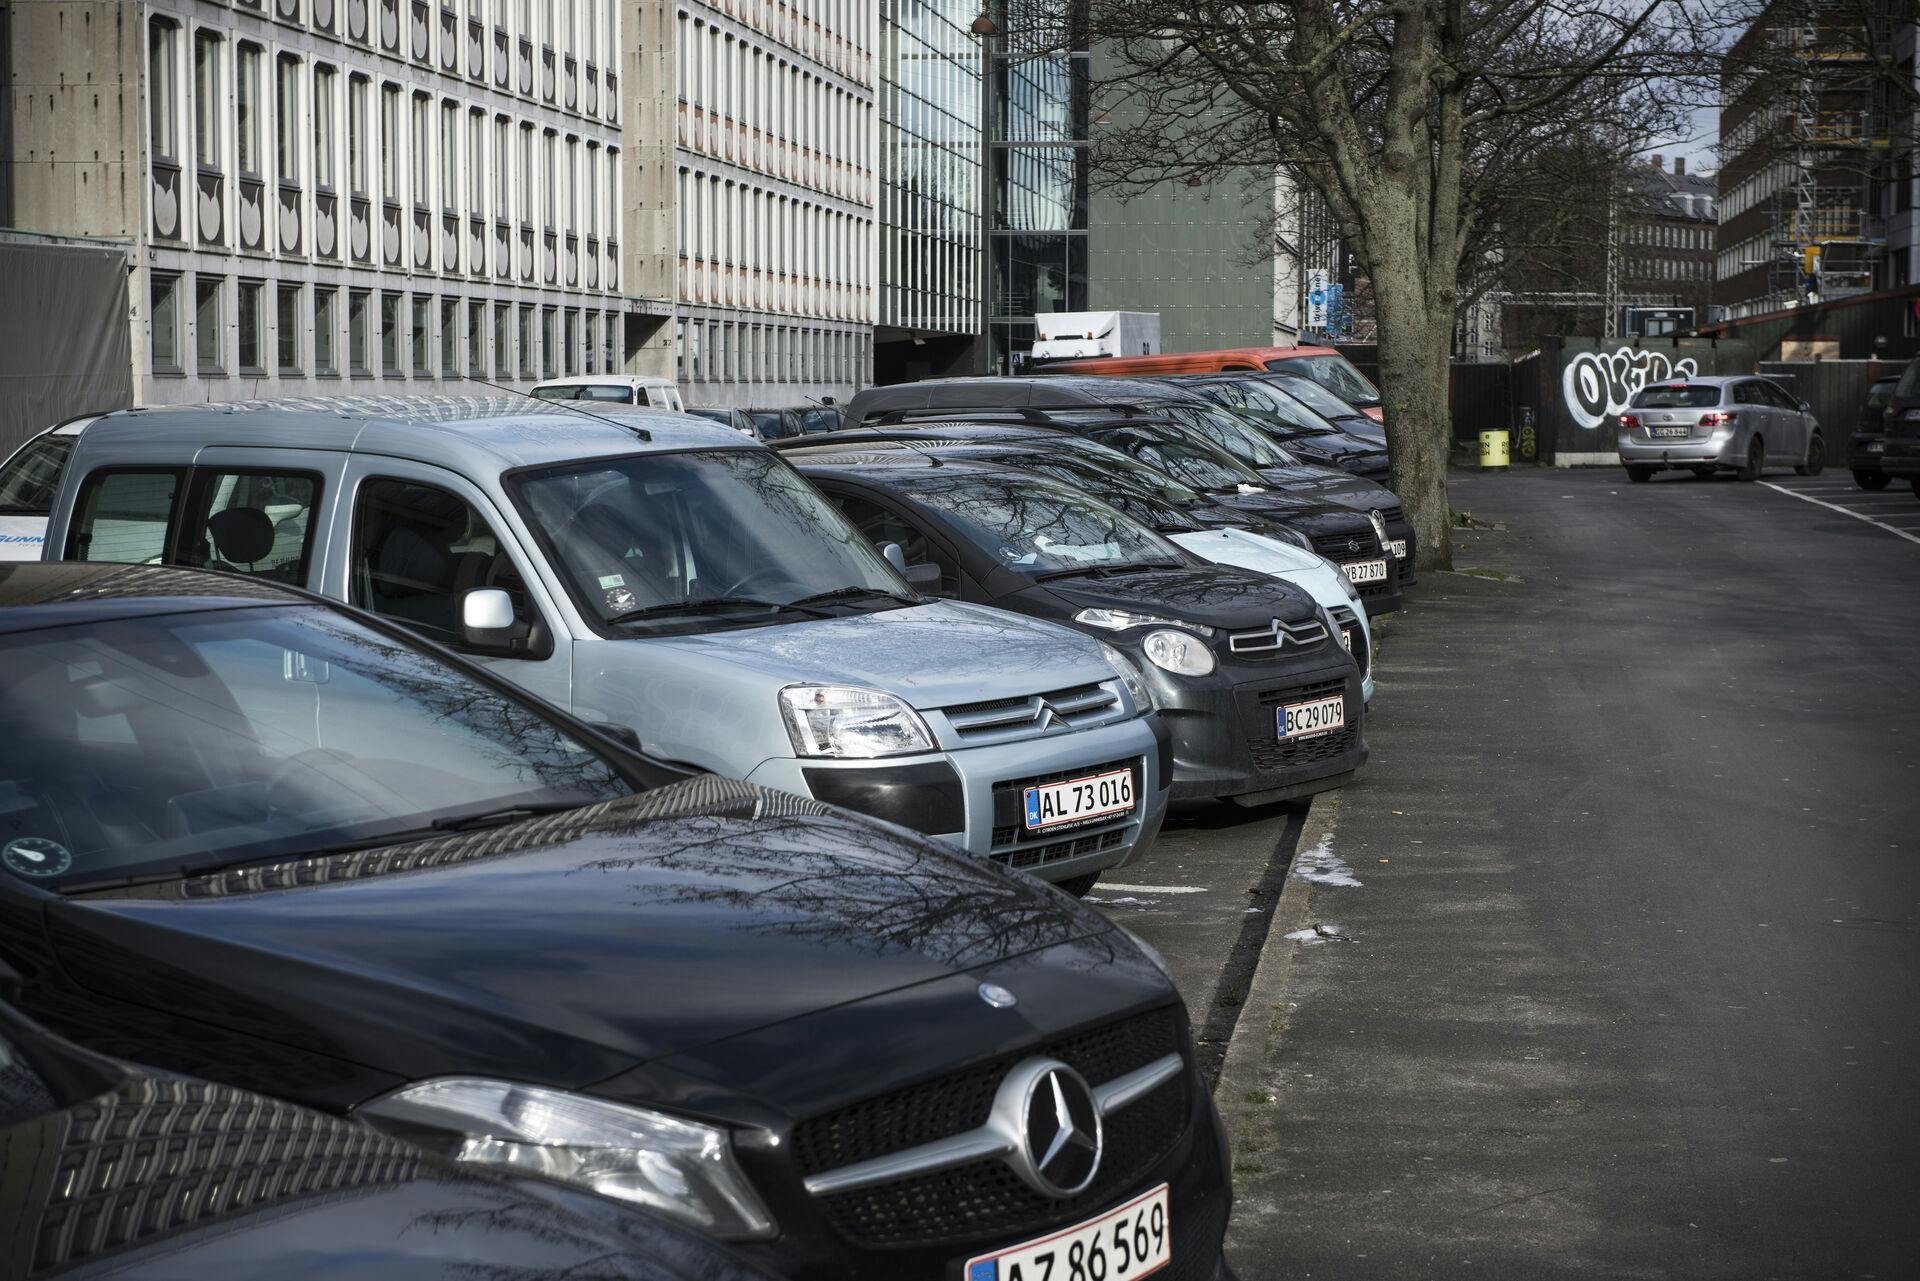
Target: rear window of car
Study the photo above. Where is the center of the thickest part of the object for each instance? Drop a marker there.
(1879, 393)
(1678, 396)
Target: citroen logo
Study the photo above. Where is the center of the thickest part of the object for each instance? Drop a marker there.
(998, 997)
(1048, 1111)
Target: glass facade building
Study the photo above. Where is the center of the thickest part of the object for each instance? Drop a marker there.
(930, 110)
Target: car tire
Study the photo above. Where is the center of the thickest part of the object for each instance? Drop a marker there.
(1756, 460)
(1638, 473)
(1872, 479)
(1816, 457)
(1078, 886)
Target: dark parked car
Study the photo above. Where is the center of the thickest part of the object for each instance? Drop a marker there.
(259, 837)
(1288, 419)
(738, 419)
(1900, 460)
(122, 1172)
(804, 420)
(1262, 700)
(1344, 415)
(1869, 441)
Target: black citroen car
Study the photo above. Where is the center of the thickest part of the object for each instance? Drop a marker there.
(1262, 701)
(264, 839)
(112, 1170)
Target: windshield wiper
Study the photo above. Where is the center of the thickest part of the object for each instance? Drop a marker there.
(503, 815)
(1107, 571)
(708, 605)
(855, 593)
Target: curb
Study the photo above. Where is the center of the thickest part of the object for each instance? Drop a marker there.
(1240, 1094)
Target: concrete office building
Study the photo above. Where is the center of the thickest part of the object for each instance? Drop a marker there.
(327, 196)
(773, 196)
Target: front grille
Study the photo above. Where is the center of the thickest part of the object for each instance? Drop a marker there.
(1009, 804)
(1351, 622)
(1272, 755)
(1058, 710)
(986, 1196)
(1031, 856)
(1269, 641)
(1334, 546)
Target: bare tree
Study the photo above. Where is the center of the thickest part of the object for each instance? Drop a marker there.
(1414, 118)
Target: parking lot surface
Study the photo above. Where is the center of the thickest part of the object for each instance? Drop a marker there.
(1625, 911)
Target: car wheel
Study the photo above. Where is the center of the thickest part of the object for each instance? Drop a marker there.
(1639, 472)
(1816, 457)
(1079, 886)
(1756, 460)
(1872, 479)
(1702, 473)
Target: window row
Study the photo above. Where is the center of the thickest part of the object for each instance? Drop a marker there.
(929, 282)
(751, 106)
(1668, 235)
(748, 246)
(727, 351)
(576, 43)
(214, 325)
(834, 33)
(1667, 268)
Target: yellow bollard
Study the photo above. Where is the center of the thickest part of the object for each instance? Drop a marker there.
(1493, 449)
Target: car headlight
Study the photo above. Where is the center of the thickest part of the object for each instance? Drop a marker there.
(1179, 653)
(1346, 584)
(1130, 676)
(677, 1168)
(1119, 620)
(844, 720)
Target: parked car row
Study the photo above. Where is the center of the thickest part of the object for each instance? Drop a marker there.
(1886, 447)
(636, 817)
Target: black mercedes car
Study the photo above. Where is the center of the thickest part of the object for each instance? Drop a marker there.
(1262, 701)
(259, 837)
(112, 1170)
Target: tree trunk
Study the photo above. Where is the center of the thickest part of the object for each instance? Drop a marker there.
(1415, 343)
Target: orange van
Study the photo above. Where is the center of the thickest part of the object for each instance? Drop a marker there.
(1323, 365)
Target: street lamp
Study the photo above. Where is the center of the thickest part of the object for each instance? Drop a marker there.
(984, 25)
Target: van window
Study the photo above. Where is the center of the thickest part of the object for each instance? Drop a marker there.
(881, 526)
(255, 522)
(569, 392)
(417, 549)
(123, 516)
(612, 395)
(28, 480)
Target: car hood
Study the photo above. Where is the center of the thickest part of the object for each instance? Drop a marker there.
(932, 655)
(567, 948)
(1215, 595)
(1249, 550)
(1331, 485)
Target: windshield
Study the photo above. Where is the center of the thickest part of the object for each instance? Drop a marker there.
(726, 537)
(1232, 433)
(1313, 395)
(28, 480)
(1038, 527)
(1880, 393)
(1334, 372)
(183, 742)
(1191, 462)
(1112, 486)
(1677, 396)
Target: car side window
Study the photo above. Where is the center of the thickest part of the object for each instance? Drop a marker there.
(255, 522)
(28, 480)
(1743, 394)
(124, 516)
(1780, 396)
(569, 392)
(881, 526)
(418, 549)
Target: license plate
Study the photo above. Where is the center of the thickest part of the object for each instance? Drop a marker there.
(1399, 548)
(1666, 433)
(1304, 720)
(1876, 447)
(1346, 638)
(1079, 799)
(1367, 571)
(1122, 1244)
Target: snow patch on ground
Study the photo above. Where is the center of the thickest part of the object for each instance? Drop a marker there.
(1320, 865)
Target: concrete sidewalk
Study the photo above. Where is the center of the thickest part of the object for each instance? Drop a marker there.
(1626, 919)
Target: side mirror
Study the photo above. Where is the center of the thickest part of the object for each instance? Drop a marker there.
(895, 557)
(625, 735)
(923, 578)
(1806, 406)
(488, 627)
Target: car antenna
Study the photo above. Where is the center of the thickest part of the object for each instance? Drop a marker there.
(573, 405)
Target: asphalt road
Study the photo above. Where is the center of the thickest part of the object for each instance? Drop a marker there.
(1629, 983)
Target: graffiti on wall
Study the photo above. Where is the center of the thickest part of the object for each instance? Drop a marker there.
(1598, 384)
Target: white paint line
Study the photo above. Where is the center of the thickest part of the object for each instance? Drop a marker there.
(1844, 511)
(1153, 889)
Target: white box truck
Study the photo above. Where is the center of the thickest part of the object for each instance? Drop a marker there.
(1067, 335)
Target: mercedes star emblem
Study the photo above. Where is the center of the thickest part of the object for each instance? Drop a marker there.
(1062, 1134)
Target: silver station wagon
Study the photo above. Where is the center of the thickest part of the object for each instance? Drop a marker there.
(660, 574)
(1740, 424)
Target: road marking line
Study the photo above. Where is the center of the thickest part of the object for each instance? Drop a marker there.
(1844, 511)
(1153, 889)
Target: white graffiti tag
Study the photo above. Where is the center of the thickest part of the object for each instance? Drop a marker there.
(1597, 385)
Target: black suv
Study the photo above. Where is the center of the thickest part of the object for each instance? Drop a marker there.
(1261, 699)
(265, 839)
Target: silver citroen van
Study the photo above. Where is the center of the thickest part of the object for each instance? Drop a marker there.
(662, 575)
